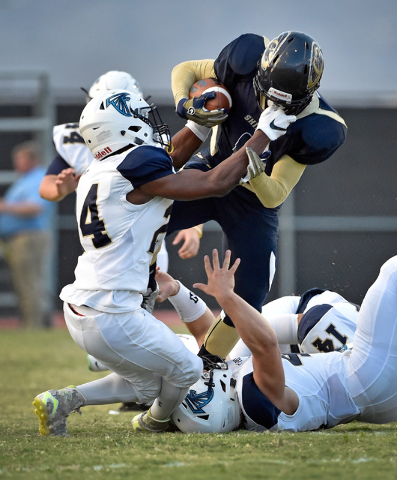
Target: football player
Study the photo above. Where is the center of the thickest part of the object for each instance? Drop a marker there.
(298, 392)
(286, 73)
(123, 204)
(319, 321)
(73, 157)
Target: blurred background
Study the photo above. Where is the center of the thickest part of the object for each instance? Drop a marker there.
(339, 224)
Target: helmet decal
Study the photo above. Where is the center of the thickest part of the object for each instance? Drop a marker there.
(119, 102)
(272, 48)
(316, 66)
(196, 402)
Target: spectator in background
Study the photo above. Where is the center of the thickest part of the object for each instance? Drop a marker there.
(25, 220)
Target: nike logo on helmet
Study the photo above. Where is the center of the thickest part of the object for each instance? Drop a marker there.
(275, 127)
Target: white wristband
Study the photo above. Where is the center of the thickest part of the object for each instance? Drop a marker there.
(200, 131)
(189, 306)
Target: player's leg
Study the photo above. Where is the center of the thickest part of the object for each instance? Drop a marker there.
(371, 368)
(254, 241)
(147, 358)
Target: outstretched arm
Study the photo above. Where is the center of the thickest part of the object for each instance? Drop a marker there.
(254, 330)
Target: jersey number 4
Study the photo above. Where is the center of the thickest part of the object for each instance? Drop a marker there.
(90, 223)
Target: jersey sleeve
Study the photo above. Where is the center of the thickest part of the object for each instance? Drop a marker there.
(145, 164)
(239, 59)
(308, 150)
(56, 166)
(186, 73)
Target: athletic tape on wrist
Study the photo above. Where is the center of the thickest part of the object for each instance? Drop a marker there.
(189, 306)
(200, 131)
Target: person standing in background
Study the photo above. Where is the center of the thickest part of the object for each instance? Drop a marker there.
(25, 229)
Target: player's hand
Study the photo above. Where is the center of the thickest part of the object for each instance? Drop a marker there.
(274, 122)
(168, 287)
(255, 166)
(194, 109)
(191, 242)
(220, 279)
(67, 181)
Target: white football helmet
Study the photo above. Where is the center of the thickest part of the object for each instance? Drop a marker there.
(211, 405)
(114, 80)
(190, 342)
(326, 328)
(118, 118)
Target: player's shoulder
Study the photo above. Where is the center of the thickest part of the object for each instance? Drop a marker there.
(317, 134)
(145, 163)
(242, 54)
(144, 154)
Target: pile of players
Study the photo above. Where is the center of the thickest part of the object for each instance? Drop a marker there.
(303, 363)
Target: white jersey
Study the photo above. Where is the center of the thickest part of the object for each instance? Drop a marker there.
(120, 239)
(337, 387)
(320, 383)
(321, 330)
(70, 145)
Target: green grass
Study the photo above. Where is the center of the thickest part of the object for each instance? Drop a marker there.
(102, 446)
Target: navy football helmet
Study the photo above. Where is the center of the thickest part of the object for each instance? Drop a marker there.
(289, 72)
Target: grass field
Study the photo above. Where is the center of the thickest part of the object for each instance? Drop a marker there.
(101, 445)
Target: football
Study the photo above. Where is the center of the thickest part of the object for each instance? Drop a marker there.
(223, 98)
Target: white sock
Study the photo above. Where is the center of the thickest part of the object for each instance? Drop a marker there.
(110, 389)
(167, 401)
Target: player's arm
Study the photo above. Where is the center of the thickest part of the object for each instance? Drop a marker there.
(56, 187)
(182, 78)
(186, 73)
(184, 144)
(254, 330)
(59, 181)
(274, 189)
(192, 310)
(194, 184)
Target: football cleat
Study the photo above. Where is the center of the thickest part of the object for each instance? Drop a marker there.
(54, 406)
(144, 422)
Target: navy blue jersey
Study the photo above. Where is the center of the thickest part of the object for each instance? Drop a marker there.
(251, 229)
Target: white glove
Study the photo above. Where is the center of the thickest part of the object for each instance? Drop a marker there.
(274, 122)
(255, 166)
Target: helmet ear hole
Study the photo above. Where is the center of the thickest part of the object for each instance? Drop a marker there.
(134, 128)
